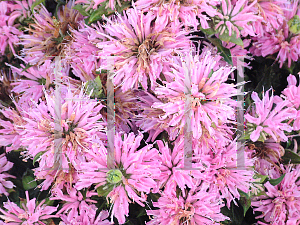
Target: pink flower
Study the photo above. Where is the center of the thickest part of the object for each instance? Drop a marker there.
(131, 177)
(197, 91)
(65, 146)
(281, 205)
(197, 206)
(292, 93)
(49, 37)
(171, 162)
(76, 208)
(27, 214)
(140, 48)
(12, 126)
(265, 120)
(187, 11)
(4, 183)
(225, 171)
(8, 31)
(232, 16)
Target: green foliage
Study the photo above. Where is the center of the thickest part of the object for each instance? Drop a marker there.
(290, 157)
(225, 52)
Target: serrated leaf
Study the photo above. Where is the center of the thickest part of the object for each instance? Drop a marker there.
(277, 181)
(28, 182)
(37, 156)
(245, 201)
(225, 52)
(36, 3)
(81, 10)
(290, 157)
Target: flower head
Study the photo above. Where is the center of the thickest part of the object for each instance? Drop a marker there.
(28, 214)
(280, 205)
(49, 37)
(197, 206)
(131, 177)
(199, 94)
(268, 116)
(4, 183)
(140, 48)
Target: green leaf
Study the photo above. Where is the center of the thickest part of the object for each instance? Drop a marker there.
(97, 14)
(81, 10)
(28, 182)
(208, 31)
(225, 52)
(237, 41)
(274, 182)
(290, 157)
(245, 201)
(37, 157)
(263, 178)
(36, 3)
(104, 190)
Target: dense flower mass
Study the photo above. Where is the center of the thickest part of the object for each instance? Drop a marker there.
(149, 112)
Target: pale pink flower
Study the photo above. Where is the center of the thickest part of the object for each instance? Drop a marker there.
(78, 209)
(292, 93)
(225, 171)
(197, 206)
(186, 11)
(280, 205)
(4, 183)
(9, 34)
(81, 126)
(171, 162)
(131, 177)
(266, 120)
(234, 16)
(49, 37)
(12, 126)
(198, 91)
(140, 48)
(28, 214)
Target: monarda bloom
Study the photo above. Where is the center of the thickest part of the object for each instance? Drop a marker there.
(283, 41)
(267, 118)
(194, 207)
(49, 37)
(62, 140)
(186, 11)
(225, 171)
(28, 214)
(292, 94)
(140, 48)
(78, 209)
(281, 203)
(198, 97)
(233, 16)
(130, 177)
(9, 34)
(4, 183)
